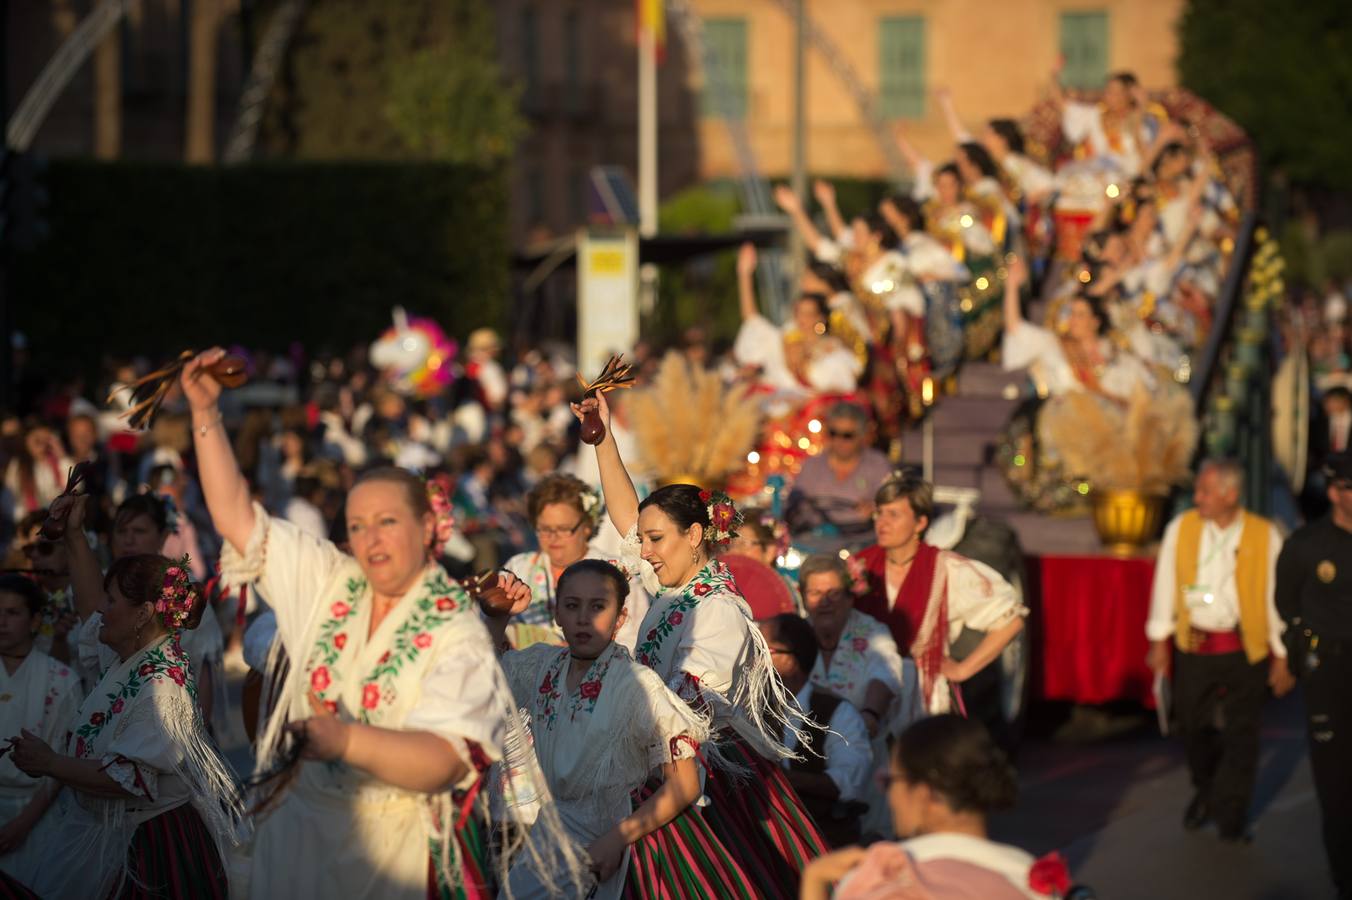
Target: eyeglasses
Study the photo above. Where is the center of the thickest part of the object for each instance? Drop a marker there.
(843, 435)
(550, 531)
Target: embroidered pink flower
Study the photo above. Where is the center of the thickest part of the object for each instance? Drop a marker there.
(675, 618)
(652, 634)
(339, 609)
(331, 706)
(340, 640)
(96, 719)
(320, 680)
(79, 746)
(859, 644)
(146, 670)
(176, 673)
(590, 690)
(422, 641)
(643, 659)
(370, 696)
(63, 671)
(117, 705)
(1049, 875)
(547, 686)
(702, 589)
(445, 604)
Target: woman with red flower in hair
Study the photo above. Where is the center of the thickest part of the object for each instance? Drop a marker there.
(600, 723)
(750, 836)
(947, 776)
(143, 802)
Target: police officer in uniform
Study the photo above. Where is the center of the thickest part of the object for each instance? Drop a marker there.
(1314, 597)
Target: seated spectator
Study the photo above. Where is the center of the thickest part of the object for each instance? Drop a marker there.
(835, 488)
(830, 775)
(947, 777)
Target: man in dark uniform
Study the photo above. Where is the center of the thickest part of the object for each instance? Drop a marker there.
(1314, 597)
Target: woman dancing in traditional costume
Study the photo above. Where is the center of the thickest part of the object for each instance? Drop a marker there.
(601, 723)
(146, 805)
(752, 837)
(395, 695)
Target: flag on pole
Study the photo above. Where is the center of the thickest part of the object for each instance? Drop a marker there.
(652, 18)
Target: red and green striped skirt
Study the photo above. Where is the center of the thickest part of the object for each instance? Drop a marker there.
(750, 843)
(173, 856)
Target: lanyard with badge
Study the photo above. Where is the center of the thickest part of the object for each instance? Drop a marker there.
(1201, 596)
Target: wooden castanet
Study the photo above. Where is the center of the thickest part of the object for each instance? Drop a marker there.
(616, 374)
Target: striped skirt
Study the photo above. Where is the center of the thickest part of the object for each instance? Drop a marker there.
(476, 881)
(173, 856)
(750, 843)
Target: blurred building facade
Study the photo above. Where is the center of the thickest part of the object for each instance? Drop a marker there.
(995, 56)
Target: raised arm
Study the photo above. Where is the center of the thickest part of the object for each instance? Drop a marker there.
(223, 485)
(618, 488)
(746, 281)
(955, 128)
(825, 192)
(788, 201)
(914, 158)
(86, 576)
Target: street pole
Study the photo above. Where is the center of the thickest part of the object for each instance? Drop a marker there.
(798, 181)
(6, 360)
(647, 157)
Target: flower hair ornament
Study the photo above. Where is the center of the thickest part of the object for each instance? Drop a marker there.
(854, 564)
(177, 594)
(439, 493)
(591, 505)
(724, 517)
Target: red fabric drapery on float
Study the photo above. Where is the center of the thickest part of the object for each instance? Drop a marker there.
(1089, 628)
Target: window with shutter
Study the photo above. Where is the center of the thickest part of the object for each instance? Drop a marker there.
(725, 92)
(1084, 44)
(901, 67)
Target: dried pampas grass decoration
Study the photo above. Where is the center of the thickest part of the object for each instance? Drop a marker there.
(1145, 446)
(690, 426)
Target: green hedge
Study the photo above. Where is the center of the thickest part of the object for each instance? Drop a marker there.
(152, 258)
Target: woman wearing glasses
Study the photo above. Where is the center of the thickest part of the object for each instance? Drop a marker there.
(564, 513)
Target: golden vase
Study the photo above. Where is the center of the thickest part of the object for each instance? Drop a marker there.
(1127, 520)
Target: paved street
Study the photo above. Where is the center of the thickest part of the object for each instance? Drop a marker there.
(1114, 809)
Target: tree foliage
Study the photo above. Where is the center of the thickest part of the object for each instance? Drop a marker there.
(1283, 71)
(399, 79)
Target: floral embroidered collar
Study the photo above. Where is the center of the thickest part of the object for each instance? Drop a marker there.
(334, 655)
(164, 660)
(715, 576)
(550, 696)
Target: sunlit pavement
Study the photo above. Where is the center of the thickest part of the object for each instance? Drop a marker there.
(1114, 809)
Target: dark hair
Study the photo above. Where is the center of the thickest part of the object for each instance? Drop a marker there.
(980, 157)
(1096, 309)
(1173, 148)
(909, 209)
(682, 504)
(949, 168)
(148, 505)
(887, 236)
(33, 596)
(557, 487)
(795, 633)
(139, 577)
(834, 278)
(414, 487)
(819, 301)
(1127, 79)
(755, 526)
(597, 567)
(1010, 132)
(957, 759)
(1337, 391)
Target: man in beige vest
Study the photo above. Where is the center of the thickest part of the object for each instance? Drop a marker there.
(1213, 595)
